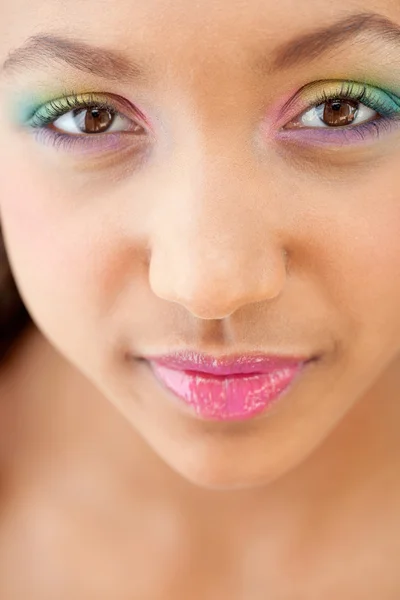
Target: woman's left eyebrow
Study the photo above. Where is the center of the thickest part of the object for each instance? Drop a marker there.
(311, 45)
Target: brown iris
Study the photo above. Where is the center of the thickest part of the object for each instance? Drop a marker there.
(96, 120)
(339, 112)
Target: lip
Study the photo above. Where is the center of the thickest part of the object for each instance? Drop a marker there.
(226, 365)
(230, 388)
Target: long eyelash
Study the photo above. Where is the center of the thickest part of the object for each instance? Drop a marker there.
(386, 103)
(371, 128)
(57, 108)
(347, 92)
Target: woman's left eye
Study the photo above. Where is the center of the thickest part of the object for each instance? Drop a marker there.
(93, 120)
(335, 113)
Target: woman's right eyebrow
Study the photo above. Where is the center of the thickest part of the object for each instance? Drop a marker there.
(112, 65)
(102, 62)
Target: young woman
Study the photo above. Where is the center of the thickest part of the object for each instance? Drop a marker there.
(200, 380)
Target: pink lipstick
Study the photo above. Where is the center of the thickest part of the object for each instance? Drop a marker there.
(227, 388)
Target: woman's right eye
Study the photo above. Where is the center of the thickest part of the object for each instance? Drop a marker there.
(94, 120)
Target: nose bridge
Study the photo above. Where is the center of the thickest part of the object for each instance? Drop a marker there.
(223, 209)
(214, 247)
(219, 201)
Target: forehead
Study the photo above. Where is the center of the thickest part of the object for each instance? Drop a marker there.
(165, 29)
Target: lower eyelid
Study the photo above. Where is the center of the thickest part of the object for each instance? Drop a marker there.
(88, 144)
(366, 132)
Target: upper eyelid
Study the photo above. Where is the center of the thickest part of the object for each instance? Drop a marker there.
(69, 102)
(320, 83)
(107, 99)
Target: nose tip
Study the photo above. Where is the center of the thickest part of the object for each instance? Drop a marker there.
(218, 290)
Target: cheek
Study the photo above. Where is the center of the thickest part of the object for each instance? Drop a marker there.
(65, 263)
(358, 260)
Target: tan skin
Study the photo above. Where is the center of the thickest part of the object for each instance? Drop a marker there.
(209, 233)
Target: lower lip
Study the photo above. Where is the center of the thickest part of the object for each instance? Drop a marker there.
(228, 398)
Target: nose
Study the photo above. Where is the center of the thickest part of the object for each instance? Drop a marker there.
(215, 244)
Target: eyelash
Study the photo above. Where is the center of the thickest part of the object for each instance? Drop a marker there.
(343, 135)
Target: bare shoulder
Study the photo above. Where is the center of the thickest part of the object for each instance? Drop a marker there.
(58, 549)
(21, 374)
(15, 366)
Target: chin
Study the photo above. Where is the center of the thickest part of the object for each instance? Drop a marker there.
(215, 465)
(209, 477)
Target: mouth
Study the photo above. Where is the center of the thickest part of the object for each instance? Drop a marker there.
(228, 388)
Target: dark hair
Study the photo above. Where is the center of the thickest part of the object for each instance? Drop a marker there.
(14, 317)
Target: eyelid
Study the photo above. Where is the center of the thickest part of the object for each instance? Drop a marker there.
(71, 100)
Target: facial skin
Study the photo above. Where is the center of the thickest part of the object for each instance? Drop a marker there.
(209, 232)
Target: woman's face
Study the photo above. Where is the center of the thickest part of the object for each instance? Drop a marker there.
(239, 194)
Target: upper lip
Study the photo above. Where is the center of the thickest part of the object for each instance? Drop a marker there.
(189, 360)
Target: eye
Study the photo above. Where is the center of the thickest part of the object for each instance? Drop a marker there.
(335, 113)
(93, 120)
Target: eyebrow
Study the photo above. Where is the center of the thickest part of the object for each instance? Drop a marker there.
(102, 62)
(309, 46)
(110, 64)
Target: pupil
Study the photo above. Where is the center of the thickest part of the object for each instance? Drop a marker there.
(339, 112)
(96, 120)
